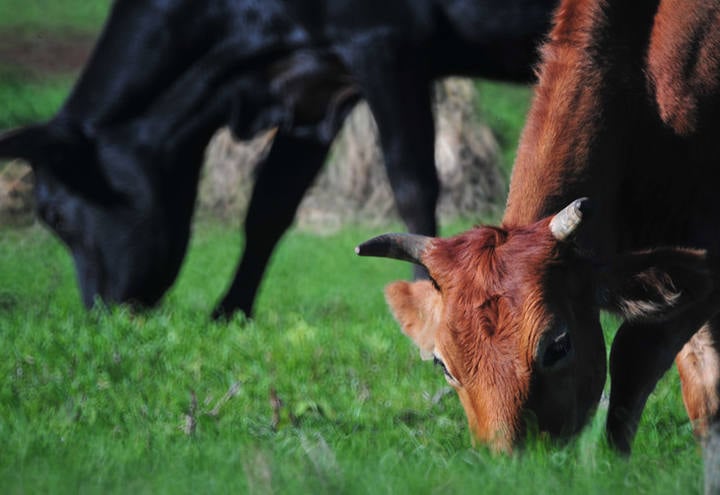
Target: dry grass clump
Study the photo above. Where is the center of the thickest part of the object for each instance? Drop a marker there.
(227, 179)
(16, 194)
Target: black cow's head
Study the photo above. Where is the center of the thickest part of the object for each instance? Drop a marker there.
(126, 227)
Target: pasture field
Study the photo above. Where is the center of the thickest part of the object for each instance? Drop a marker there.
(321, 393)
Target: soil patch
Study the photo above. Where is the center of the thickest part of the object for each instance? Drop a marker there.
(44, 54)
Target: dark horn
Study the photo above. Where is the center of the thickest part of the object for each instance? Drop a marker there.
(566, 221)
(406, 247)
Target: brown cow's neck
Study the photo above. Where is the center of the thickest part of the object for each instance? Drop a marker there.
(566, 150)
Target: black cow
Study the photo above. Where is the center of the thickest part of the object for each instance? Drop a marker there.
(117, 168)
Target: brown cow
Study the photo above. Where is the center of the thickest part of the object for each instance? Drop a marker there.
(625, 113)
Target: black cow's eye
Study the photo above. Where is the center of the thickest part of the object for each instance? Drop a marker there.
(57, 221)
(60, 224)
(51, 216)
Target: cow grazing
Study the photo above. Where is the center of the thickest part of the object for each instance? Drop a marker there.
(117, 168)
(625, 113)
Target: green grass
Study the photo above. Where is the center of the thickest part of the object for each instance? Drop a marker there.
(97, 402)
(24, 97)
(504, 107)
(53, 15)
(25, 101)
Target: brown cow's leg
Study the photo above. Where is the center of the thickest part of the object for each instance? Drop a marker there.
(699, 365)
(641, 354)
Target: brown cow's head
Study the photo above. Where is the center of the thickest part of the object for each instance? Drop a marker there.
(512, 317)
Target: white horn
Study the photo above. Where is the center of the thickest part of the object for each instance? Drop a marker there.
(566, 221)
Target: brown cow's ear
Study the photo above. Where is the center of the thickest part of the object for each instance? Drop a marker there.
(655, 285)
(417, 307)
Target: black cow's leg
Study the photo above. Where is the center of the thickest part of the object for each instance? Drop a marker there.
(641, 353)
(398, 94)
(283, 178)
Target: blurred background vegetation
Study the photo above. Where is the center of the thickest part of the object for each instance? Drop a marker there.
(42, 46)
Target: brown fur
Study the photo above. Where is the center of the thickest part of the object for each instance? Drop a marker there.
(566, 76)
(698, 363)
(684, 61)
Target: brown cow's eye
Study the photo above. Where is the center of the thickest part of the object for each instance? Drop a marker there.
(438, 362)
(558, 349)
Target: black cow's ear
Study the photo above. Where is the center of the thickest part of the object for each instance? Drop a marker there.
(27, 143)
(657, 284)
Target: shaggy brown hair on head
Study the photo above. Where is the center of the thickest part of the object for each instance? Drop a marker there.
(474, 270)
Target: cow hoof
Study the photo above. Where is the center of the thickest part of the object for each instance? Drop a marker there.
(224, 314)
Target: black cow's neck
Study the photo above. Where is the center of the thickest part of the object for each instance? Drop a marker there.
(141, 50)
(145, 47)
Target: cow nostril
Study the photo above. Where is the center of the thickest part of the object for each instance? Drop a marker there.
(557, 350)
